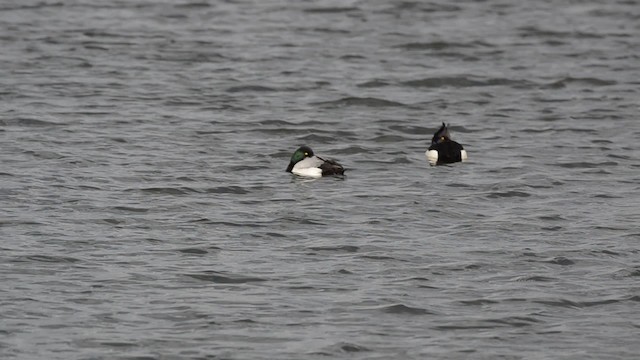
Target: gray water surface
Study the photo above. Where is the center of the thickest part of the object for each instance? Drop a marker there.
(145, 212)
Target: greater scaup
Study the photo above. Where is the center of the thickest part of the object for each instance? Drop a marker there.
(305, 163)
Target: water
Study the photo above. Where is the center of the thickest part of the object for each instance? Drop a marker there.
(146, 213)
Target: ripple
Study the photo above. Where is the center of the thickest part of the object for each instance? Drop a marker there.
(388, 139)
(192, 5)
(404, 310)
(340, 32)
(508, 194)
(551, 218)
(515, 321)
(5, 223)
(465, 81)
(348, 348)
(28, 122)
(250, 88)
(51, 259)
(283, 123)
(45, 154)
(601, 302)
(478, 302)
(564, 303)
(628, 273)
(607, 252)
(439, 45)
(378, 257)
(561, 260)
(535, 31)
(118, 344)
(166, 190)
(358, 101)
(330, 10)
(468, 326)
(512, 321)
(341, 347)
(238, 190)
(339, 248)
(619, 156)
(585, 165)
(587, 81)
(130, 209)
(198, 251)
(317, 138)
(351, 150)
(301, 220)
(248, 223)
(222, 278)
(374, 84)
(418, 130)
(536, 278)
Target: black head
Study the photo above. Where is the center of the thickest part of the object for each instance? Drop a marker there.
(441, 135)
(300, 154)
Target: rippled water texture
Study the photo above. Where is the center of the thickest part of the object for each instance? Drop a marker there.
(146, 213)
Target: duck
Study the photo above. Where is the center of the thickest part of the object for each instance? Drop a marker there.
(305, 163)
(443, 150)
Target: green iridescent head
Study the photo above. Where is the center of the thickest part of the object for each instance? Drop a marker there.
(299, 155)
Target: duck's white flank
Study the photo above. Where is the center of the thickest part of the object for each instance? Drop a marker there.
(308, 167)
(432, 156)
(310, 172)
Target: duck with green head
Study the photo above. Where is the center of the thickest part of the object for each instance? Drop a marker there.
(305, 163)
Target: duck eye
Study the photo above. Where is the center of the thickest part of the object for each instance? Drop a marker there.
(306, 154)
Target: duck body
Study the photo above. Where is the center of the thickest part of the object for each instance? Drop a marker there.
(305, 163)
(443, 150)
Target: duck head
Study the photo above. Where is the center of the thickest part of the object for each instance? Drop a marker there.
(302, 153)
(441, 135)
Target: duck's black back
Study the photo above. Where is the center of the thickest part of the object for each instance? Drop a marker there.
(330, 167)
(448, 152)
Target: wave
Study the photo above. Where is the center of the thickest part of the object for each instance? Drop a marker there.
(360, 101)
